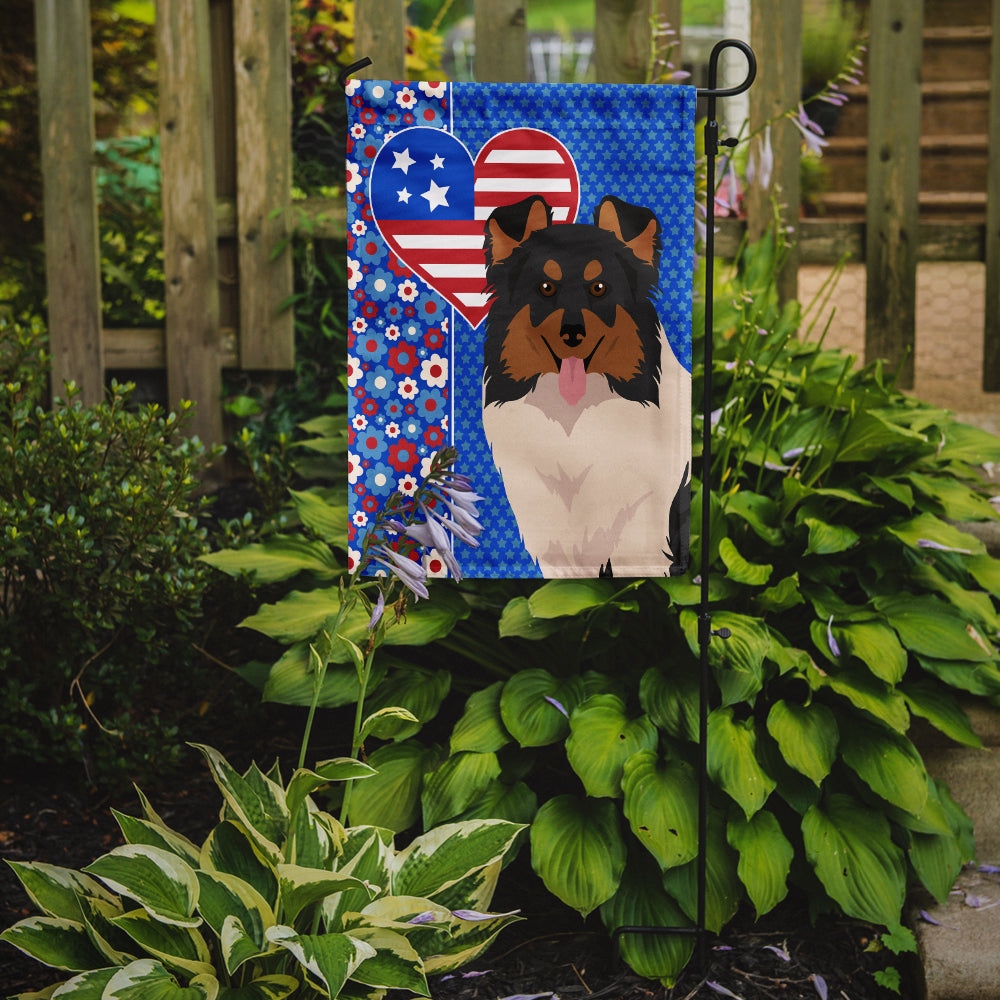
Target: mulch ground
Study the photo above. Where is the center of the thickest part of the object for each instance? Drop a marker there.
(550, 953)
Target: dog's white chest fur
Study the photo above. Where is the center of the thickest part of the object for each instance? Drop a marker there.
(593, 481)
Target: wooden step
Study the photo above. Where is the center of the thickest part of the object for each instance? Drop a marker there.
(956, 53)
(940, 13)
(958, 206)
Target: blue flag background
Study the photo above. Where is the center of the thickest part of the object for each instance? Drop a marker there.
(428, 163)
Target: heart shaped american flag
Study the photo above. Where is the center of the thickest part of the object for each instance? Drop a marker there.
(430, 201)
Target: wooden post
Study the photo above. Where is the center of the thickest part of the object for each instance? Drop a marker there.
(261, 40)
(72, 255)
(893, 183)
(380, 34)
(991, 333)
(190, 254)
(501, 41)
(622, 40)
(776, 35)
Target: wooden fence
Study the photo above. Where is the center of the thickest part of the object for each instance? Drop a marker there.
(226, 161)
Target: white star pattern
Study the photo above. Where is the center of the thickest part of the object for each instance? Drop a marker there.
(435, 196)
(438, 162)
(404, 196)
(403, 161)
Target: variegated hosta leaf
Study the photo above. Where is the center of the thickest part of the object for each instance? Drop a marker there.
(642, 902)
(300, 887)
(602, 737)
(395, 964)
(888, 763)
(274, 987)
(441, 857)
(116, 947)
(476, 890)
(315, 838)
(661, 799)
(468, 939)
(329, 959)
(765, 858)
(807, 736)
(158, 880)
(304, 782)
(147, 979)
(732, 760)
(850, 847)
(230, 849)
(54, 941)
(456, 784)
(56, 891)
(86, 986)
(578, 851)
(177, 947)
(256, 801)
(225, 897)
(141, 831)
(367, 853)
(481, 727)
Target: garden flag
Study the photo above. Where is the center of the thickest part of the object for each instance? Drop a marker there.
(520, 265)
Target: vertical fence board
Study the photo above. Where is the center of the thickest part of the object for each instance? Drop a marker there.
(261, 42)
(776, 35)
(893, 183)
(501, 41)
(72, 257)
(621, 40)
(190, 254)
(991, 333)
(380, 34)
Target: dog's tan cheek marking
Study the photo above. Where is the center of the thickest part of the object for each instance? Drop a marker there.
(524, 355)
(552, 270)
(620, 353)
(593, 270)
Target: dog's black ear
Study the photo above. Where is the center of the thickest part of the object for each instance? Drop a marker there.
(510, 225)
(637, 227)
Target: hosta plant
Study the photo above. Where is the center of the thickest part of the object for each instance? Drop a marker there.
(279, 900)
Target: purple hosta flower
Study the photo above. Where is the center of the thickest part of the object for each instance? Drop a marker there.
(719, 988)
(811, 132)
(377, 612)
(475, 915)
(990, 869)
(760, 165)
(728, 195)
(427, 917)
(820, 983)
(558, 705)
(411, 574)
(834, 648)
(780, 952)
(927, 543)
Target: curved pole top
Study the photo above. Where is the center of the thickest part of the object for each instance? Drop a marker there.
(348, 71)
(713, 70)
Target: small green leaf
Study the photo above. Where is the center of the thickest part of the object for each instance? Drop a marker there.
(828, 539)
(807, 736)
(328, 521)
(738, 569)
(732, 760)
(279, 558)
(559, 598)
(481, 727)
(517, 620)
(765, 858)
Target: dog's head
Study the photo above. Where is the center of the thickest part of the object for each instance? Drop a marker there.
(572, 299)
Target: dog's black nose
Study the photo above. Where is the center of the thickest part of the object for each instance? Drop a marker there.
(573, 334)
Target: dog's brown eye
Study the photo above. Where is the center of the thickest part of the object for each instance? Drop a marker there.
(598, 288)
(547, 288)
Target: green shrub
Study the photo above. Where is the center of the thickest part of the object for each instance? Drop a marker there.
(99, 542)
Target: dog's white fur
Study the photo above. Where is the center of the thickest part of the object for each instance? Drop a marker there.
(595, 480)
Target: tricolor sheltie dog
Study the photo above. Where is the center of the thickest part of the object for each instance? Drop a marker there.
(585, 407)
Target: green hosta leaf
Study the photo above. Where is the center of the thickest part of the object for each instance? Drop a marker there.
(141, 831)
(931, 628)
(738, 661)
(528, 710)
(893, 488)
(327, 520)
(54, 941)
(807, 736)
(416, 689)
(292, 680)
(387, 723)
(578, 851)
(723, 889)
(965, 443)
(986, 572)
(180, 948)
(279, 558)
(330, 959)
(876, 646)
(758, 511)
(230, 849)
(481, 728)
(260, 809)
(765, 858)
(56, 891)
(275, 987)
(850, 847)
(956, 500)
(941, 709)
(975, 605)
(865, 692)
(732, 760)
(559, 598)
(443, 856)
(870, 436)
(395, 964)
(391, 798)
(160, 882)
(225, 897)
(517, 620)
(147, 979)
(738, 569)
(456, 784)
(928, 528)
(301, 887)
(937, 860)
(515, 803)
(641, 901)
(888, 763)
(602, 738)
(976, 678)
(828, 539)
(661, 799)
(671, 699)
(783, 595)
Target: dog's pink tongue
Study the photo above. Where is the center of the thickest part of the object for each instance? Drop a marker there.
(572, 380)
